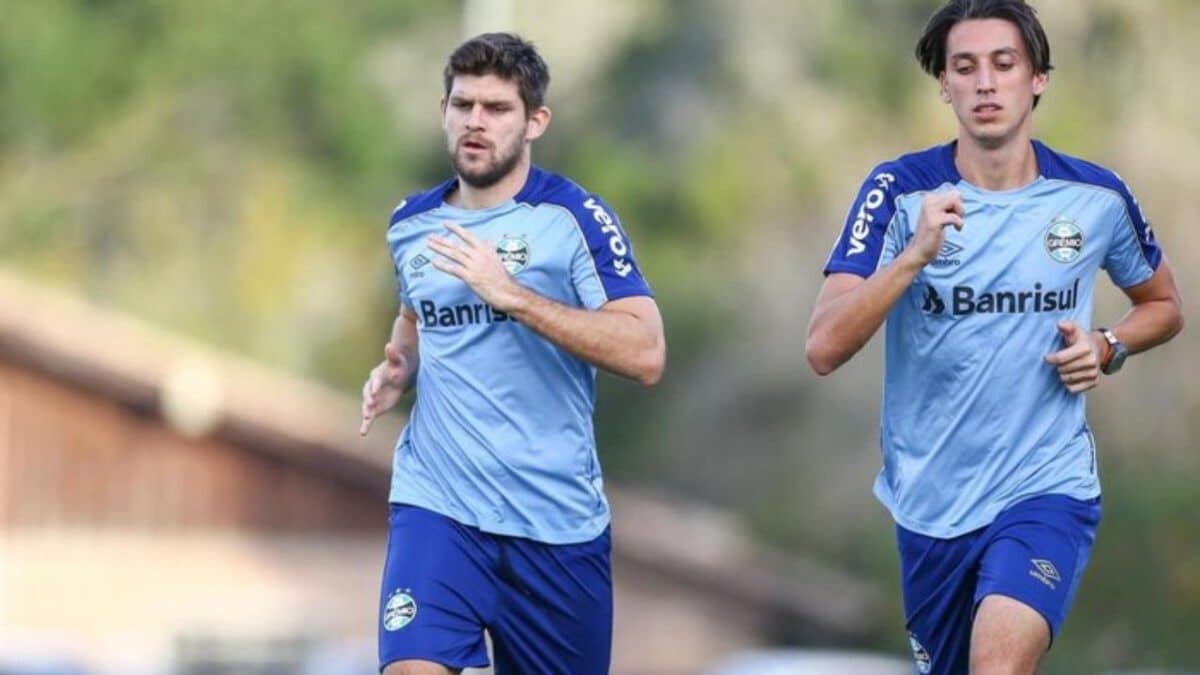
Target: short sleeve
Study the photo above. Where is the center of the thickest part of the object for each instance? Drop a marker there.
(1133, 254)
(863, 240)
(603, 269)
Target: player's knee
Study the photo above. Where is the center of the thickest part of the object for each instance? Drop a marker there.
(409, 667)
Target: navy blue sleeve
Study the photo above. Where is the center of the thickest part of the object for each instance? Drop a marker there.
(1134, 254)
(610, 250)
(861, 241)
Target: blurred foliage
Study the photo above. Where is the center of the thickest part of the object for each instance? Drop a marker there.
(226, 169)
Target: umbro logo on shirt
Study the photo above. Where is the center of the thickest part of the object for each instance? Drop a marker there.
(946, 255)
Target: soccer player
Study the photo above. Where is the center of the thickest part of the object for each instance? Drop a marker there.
(515, 284)
(982, 255)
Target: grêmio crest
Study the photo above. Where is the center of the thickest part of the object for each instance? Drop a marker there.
(1064, 240)
(513, 252)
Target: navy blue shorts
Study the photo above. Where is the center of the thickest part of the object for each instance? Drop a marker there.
(1035, 551)
(547, 607)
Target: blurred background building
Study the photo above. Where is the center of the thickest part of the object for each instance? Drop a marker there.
(187, 486)
(169, 509)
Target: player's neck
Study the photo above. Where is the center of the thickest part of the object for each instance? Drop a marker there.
(473, 198)
(1004, 167)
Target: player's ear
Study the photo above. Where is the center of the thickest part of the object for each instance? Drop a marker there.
(943, 87)
(536, 123)
(1040, 81)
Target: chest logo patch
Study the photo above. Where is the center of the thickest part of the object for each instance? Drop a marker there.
(513, 252)
(1064, 240)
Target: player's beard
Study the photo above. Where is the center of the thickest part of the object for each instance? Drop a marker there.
(496, 168)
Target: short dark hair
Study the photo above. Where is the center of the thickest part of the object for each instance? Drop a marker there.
(931, 48)
(506, 56)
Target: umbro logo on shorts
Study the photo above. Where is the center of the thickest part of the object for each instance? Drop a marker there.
(1045, 572)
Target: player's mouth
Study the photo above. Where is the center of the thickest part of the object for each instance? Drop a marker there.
(473, 145)
(987, 111)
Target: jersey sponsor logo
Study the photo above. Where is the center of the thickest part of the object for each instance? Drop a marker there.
(513, 252)
(1045, 572)
(922, 658)
(965, 300)
(400, 610)
(946, 255)
(430, 314)
(866, 213)
(1064, 240)
(933, 302)
(616, 242)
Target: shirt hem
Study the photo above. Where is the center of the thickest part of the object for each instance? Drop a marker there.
(594, 528)
(989, 516)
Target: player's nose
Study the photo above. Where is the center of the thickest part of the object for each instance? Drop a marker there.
(985, 79)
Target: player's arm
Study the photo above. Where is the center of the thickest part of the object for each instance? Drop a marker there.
(624, 336)
(396, 374)
(850, 309)
(1155, 317)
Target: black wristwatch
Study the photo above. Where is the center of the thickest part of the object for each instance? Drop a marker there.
(1115, 357)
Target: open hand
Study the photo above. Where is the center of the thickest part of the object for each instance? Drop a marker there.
(384, 386)
(476, 262)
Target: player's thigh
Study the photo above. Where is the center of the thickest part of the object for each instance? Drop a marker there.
(938, 580)
(557, 609)
(438, 593)
(1008, 637)
(413, 667)
(1037, 552)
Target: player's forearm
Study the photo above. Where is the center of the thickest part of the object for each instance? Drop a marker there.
(404, 337)
(842, 325)
(1149, 324)
(614, 340)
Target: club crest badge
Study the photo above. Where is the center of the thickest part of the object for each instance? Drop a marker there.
(1064, 240)
(921, 657)
(513, 252)
(399, 611)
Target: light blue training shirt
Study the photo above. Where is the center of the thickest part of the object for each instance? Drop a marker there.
(974, 419)
(500, 436)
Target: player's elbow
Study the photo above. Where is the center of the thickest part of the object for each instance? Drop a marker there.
(651, 365)
(821, 356)
(1177, 321)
